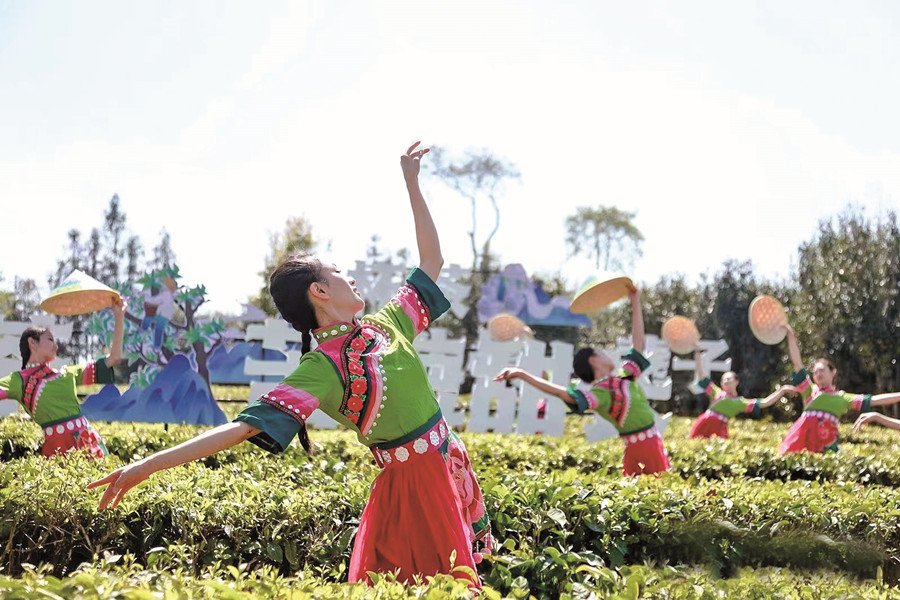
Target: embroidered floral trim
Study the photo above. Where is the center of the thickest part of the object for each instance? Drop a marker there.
(34, 382)
(356, 388)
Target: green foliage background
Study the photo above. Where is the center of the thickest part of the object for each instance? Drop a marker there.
(732, 517)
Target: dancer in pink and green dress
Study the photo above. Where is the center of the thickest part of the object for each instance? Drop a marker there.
(725, 403)
(49, 396)
(617, 398)
(425, 507)
(817, 428)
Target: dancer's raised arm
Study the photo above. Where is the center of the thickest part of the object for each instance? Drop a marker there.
(793, 348)
(115, 351)
(430, 258)
(637, 321)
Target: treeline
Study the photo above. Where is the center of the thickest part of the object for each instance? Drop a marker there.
(842, 301)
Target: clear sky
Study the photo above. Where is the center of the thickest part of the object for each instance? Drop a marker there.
(730, 127)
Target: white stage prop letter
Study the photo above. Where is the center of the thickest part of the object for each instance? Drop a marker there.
(443, 358)
(275, 335)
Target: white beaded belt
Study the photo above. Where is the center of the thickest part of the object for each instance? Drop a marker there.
(634, 438)
(430, 441)
(78, 423)
(821, 414)
(719, 416)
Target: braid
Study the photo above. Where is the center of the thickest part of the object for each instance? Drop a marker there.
(289, 288)
(33, 333)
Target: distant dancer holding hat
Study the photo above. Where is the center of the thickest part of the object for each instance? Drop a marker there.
(617, 398)
(49, 396)
(817, 428)
(725, 403)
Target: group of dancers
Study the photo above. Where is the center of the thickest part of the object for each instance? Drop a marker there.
(425, 513)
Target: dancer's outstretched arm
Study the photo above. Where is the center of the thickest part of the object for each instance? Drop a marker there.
(637, 321)
(873, 417)
(885, 399)
(430, 258)
(794, 348)
(777, 395)
(215, 440)
(512, 373)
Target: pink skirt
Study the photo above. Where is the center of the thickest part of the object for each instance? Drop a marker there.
(814, 431)
(414, 522)
(72, 434)
(645, 453)
(710, 424)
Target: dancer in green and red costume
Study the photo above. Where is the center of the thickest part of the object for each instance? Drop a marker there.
(616, 397)
(425, 507)
(50, 397)
(725, 403)
(817, 428)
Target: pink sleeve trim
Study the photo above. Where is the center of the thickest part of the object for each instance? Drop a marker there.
(3, 394)
(408, 298)
(631, 367)
(858, 400)
(297, 403)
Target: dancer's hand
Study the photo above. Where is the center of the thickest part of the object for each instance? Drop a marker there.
(790, 330)
(508, 374)
(788, 389)
(864, 419)
(119, 307)
(120, 481)
(409, 162)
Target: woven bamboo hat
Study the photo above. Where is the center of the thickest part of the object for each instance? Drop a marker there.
(681, 335)
(767, 320)
(600, 291)
(79, 294)
(505, 328)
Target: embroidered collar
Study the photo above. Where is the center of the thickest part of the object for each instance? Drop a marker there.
(335, 330)
(32, 365)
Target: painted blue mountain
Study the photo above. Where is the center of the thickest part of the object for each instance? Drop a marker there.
(177, 395)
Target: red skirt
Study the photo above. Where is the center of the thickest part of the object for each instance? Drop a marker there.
(814, 431)
(72, 434)
(413, 523)
(645, 453)
(710, 424)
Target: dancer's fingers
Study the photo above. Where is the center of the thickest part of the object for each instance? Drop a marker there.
(106, 480)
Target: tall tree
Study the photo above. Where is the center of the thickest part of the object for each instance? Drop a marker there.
(296, 237)
(163, 255)
(113, 248)
(848, 304)
(479, 178)
(606, 233)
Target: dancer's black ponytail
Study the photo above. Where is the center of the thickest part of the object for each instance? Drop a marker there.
(31, 333)
(289, 288)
